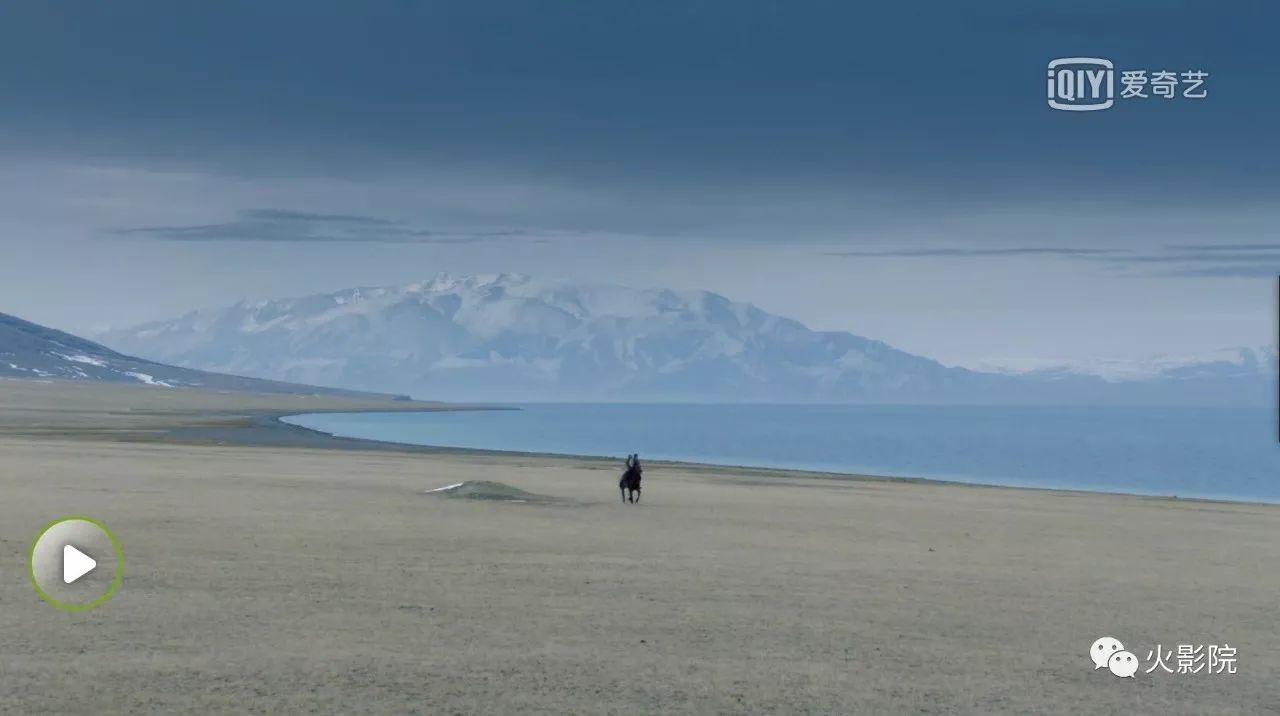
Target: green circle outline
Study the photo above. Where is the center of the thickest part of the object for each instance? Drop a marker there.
(115, 582)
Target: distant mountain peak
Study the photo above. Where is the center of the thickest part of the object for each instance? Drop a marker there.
(1226, 361)
(445, 281)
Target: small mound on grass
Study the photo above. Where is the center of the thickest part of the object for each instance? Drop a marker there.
(487, 490)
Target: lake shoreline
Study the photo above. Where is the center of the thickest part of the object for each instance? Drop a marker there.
(319, 435)
(194, 417)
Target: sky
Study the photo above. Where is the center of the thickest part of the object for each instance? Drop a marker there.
(892, 171)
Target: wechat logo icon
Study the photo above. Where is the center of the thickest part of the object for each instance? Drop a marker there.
(1108, 653)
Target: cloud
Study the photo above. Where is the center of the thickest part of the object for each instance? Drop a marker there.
(995, 252)
(1240, 271)
(288, 226)
(1226, 247)
(288, 215)
(1243, 260)
(1207, 257)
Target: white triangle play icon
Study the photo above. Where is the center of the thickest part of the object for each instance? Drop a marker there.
(75, 564)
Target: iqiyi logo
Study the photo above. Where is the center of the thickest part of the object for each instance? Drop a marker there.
(1084, 84)
(1081, 84)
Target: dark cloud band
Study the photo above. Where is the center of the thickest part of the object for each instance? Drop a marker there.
(283, 226)
(994, 252)
(1242, 260)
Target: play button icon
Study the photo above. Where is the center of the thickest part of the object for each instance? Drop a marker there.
(76, 563)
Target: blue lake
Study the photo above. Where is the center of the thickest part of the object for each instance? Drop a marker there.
(1228, 453)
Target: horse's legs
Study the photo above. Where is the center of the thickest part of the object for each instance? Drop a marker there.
(623, 492)
(637, 493)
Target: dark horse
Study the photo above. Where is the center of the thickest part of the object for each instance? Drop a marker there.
(630, 481)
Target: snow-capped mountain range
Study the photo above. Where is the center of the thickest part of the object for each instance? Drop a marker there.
(513, 337)
(31, 351)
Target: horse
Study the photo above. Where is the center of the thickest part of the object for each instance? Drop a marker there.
(630, 481)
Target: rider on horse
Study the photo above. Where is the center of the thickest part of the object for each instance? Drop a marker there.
(631, 478)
